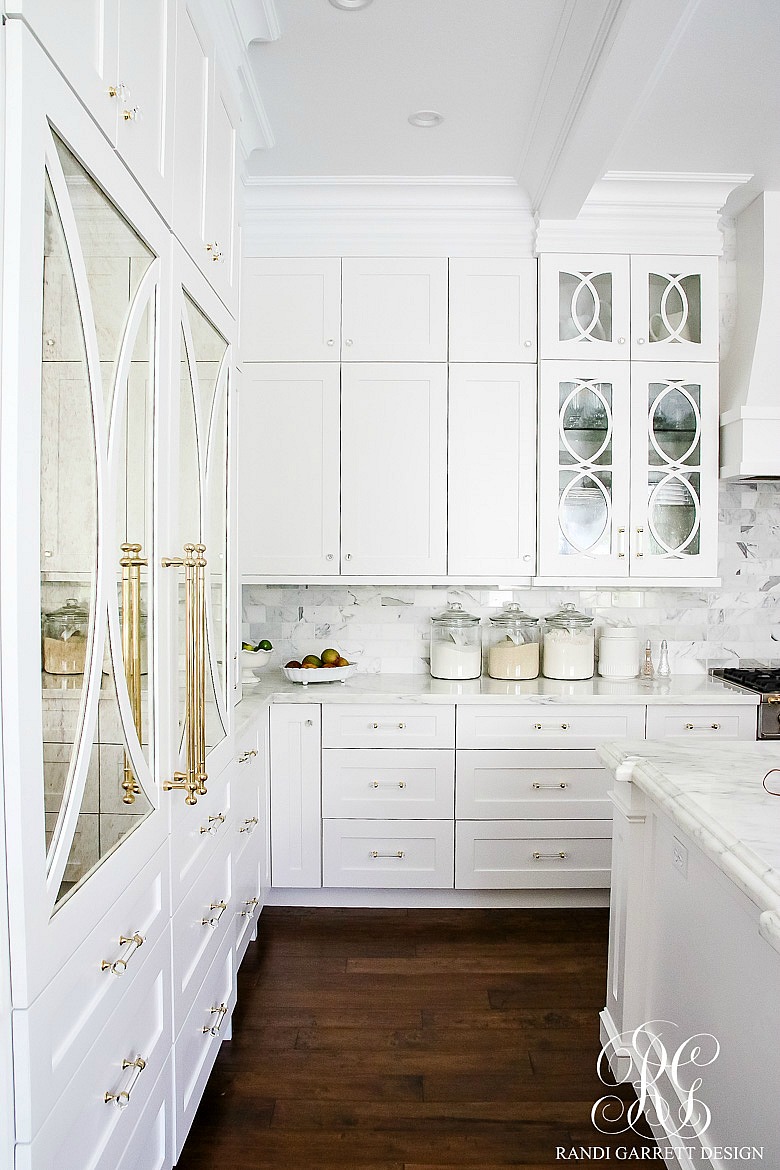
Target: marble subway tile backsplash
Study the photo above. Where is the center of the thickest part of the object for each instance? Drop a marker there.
(385, 628)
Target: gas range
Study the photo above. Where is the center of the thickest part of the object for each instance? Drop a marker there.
(762, 680)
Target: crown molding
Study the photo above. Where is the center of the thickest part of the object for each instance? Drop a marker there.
(637, 211)
(357, 215)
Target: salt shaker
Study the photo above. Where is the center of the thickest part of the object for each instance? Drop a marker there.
(648, 670)
(664, 669)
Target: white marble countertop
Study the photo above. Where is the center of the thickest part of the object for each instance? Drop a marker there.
(714, 793)
(421, 688)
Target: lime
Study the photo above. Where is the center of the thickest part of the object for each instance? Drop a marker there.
(265, 645)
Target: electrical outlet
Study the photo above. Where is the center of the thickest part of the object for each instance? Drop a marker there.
(680, 857)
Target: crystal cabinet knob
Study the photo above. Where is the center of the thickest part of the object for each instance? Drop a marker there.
(348, 341)
(330, 341)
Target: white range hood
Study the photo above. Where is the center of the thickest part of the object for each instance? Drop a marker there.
(750, 374)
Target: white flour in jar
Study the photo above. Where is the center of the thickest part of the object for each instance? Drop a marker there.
(567, 654)
(507, 660)
(451, 661)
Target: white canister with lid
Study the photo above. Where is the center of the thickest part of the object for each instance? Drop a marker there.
(456, 649)
(569, 645)
(619, 652)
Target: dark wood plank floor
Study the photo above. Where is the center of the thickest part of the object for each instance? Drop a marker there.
(409, 1040)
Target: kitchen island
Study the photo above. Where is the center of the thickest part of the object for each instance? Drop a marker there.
(694, 942)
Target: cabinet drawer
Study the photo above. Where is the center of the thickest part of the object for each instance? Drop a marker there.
(248, 785)
(250, 886)
(388, 854)
(494, 855)
(550, 724)
(53, 1036)
(725, 722)
(195, 830)
(198, 1043)
(85, 1130)
(534, 784)
(151, 1146)
(391, 726)
(388, 783)
(204, 918)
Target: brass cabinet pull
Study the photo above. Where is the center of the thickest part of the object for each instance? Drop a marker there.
(193, 781)
(132, 942)
(220, 1012)
(122, 1097)
(213, 823)
(640, 533)
(561, 856)
(132, 562)
(394, 783)
(220, 907)
(250, 904)
(537, 786)
(375, 853)
(621, 532)
(248, 825)
(247, 755)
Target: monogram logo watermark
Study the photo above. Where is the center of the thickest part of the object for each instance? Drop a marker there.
(664, 1071)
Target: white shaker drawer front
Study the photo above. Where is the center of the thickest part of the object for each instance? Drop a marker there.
(91, 1124)
(247, 783)
(391, 726)
(388, 854)
(496, 855)
(195, 831)
(535, 784)
(388, 783)
(691, 723)
(151, 1146)
(547, 724)
(198, 1043)
(204, 918)
(250, 885)
(56, 1033)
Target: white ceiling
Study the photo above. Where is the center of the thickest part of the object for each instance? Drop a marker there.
(550, 92)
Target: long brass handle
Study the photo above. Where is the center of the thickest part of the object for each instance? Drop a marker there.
(122, 1097)
(193, 781)
(132, 563)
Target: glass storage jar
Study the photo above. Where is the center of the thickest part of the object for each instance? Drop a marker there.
(619, 653)
(513, 644)
(568, 644)
(456, 651)
(65, 638)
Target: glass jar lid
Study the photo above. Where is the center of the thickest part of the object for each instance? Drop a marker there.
(455, 615)
(69, 619)
(569, 617)
(513, 615)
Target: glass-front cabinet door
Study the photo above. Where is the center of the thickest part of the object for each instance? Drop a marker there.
(674, 454)
(674, 308)
(584, 307)
(83, 333)
(584, 421)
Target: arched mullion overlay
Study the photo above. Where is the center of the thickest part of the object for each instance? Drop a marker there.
(220, 396)
(673, 477)
(585, 469)
(675, 468)
(674, 285)
(86, 725)
(145, 296)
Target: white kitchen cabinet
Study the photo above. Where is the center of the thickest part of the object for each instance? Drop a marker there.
(694, 722)
(289, 469)
(291, 309)
(295, 796)
(205, 157)
(251, 833)
(492, 315)
(674, 470)
(118, 55)
(652, 308)
(628, 470)
(394, 310)
(394, 469)
(491, 470)
(388, 854)
(584, 468)
(528, 855)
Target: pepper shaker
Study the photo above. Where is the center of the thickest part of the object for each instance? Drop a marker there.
(648, 669)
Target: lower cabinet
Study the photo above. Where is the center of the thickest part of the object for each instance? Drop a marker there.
(296, 853)
(532, 855)
(392, 854)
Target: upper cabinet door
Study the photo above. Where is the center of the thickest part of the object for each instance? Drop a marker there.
(674, 308)
(674, 470)
(584, 307)
(394, 469)
(492, 310)
(394, 310)
(204, 158)
(491, 525)
(118, 56)
(584, 469)
(289, 469)
(291, 310)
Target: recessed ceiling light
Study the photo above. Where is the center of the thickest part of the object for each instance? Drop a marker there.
(425, 117)
(347, 5)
